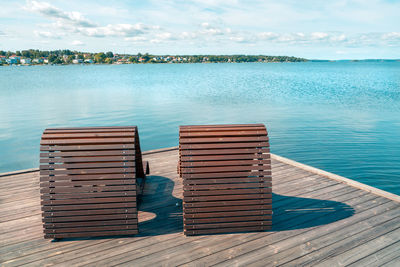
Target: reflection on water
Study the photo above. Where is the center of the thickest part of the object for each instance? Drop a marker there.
(343, 117)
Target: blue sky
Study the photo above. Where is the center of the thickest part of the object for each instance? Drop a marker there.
(342, 29)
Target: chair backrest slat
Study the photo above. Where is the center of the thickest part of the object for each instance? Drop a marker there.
(226, 172)
(89, 181)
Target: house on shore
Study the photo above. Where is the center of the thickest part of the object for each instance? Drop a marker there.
(26, 61)
(37, 60)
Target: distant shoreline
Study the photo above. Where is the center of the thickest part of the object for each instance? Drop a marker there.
(158, 63)
(155, 63)
(68, 57)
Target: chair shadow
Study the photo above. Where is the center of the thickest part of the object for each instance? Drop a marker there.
(158, 200)
(291, 212)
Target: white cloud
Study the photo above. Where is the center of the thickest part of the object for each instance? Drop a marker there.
(391, 36)
(188, 35)
(125, 30)
(215, 24)
(50, 11)
(166, 36)
(136, 39)
(238, 39)
(267, 35)
(46, 34)
(208, 29)
(319, 35)
(75, 22)
(77, 43)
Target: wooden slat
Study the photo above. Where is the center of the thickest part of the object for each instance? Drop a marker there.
(89, 229)
(84, 147)
(76, 189)
(227, 192)
(225, 163)
(90, 234)
(96, 128)
(102, 217)
(88, 201)
(225, 169)
(86, 141)
(218, 129)
(224, 157)
(227, 230)
(101, 182)
(87, 165)
(224, 133)
(227, 224)
(213, 186)
(226, 197)
(84, 195)
(228, 208)
(224, 203)
(209, 140)
(243, 174)
(86, 135)
(67, 155)
(225, 151)
(224, 145)
(265, 218)
(241, 125)
(266, 180)
(89, 223)
(87, 212)
(88, 177)
(79, 206)
(87, 159)
(88, 171)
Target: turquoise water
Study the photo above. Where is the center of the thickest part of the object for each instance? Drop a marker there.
(343, 117)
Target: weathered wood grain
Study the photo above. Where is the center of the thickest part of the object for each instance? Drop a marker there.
(364, 231)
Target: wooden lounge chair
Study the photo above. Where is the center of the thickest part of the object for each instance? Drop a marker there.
(90, 180)
(226, 172)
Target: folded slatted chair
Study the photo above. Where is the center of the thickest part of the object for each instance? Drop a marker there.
(90, 180)
(226, 172)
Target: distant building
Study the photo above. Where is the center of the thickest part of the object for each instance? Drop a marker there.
(26, 61)
(77, 61)
(11, 61)
(45, 61)
(37, 60)
(89, 60)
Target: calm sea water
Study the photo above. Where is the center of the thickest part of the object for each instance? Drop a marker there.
(343, 117)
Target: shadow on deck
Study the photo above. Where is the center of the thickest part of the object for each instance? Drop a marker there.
(168, 210)
(164, 211)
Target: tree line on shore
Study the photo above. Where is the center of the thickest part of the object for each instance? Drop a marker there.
(67, 57)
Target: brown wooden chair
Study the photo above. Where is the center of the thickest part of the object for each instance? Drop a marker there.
(90, 180)
(226, 172)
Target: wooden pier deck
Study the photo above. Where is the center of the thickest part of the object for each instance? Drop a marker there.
(319, 219)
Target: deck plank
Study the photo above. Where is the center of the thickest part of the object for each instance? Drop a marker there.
(365, 230)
